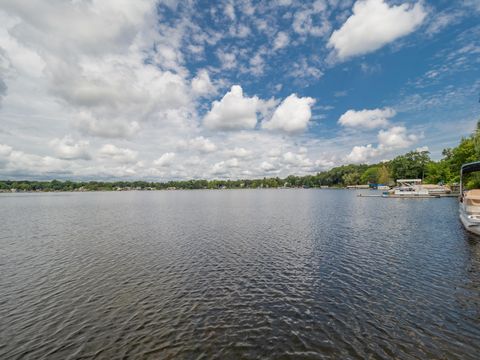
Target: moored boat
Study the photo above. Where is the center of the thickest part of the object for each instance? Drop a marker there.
(409, 188)
(469, 207)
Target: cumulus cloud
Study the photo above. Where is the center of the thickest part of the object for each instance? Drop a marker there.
(198, 143)
(134, 94)
(165, 160)
(268, 167)
(422, 148)
(367, 119)
(18, 163)
(117, 154)
(239, 152)
(374, 24)
(223, 167)
(394, 138)
(85, 22)
(100, 71)
(233, 112)
(297, 160)
(202, 85)
(67, 149)
(292, 115)
(86, 123)
(360, 154)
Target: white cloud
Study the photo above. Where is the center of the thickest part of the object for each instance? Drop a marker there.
(368, 119)
(18, 163)
(165, 160)
(312, 21)
(202, 85)
(143, 83)
(5, 150)
(374, 24)
(228, 60)
(281, 40)
(203, 145)
(361, 154)
(396, 138)
(104, 127)
(256, 64)
(117, 154)
(97, 71)
(304, 71)
(233, 112)
(422, 148)
(82, 25)
(199, 143)
(223, 167)
(268, 167)
(292, 115)
(240, 31)
(443, 20)
(239, 152)
(323, 164)
(67, 149)
(229, 10)
(297, 160)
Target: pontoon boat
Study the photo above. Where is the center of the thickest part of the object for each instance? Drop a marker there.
(409, 188)
(470, 201)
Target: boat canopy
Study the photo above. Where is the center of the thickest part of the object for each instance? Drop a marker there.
(410, 180)
(467, 169)
(470, 167)
(413, 181)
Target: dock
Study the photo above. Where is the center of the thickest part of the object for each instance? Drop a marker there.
(393, 196)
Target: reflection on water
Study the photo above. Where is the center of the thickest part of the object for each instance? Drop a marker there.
(236, 274)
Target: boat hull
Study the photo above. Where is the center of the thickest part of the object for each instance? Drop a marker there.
(471, 226)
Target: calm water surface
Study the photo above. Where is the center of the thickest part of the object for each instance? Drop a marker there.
(249, 274)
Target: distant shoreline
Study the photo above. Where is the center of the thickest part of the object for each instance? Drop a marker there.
(16, 191)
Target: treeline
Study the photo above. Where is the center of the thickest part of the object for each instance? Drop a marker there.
(415, 164)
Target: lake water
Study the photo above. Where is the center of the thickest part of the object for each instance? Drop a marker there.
(247, 274)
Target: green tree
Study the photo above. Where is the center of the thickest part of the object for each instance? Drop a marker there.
(411, 165)
(370, 176)
(384, 176)
(352, 178)
(438, 172)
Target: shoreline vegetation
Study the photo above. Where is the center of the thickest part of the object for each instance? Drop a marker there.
(414, 164)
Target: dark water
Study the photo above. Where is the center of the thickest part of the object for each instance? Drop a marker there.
(272, 274)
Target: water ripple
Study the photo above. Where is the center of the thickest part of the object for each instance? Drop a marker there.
(307, 274)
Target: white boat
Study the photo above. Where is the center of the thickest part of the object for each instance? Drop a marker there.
(470, 201)
(437, 189)
(410, 188)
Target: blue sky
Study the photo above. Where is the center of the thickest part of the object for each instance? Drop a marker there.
(174, 90)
